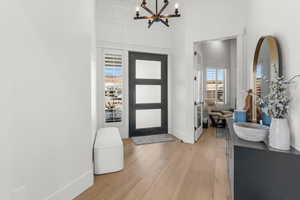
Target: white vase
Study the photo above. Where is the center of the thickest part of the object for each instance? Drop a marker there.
(279, 137)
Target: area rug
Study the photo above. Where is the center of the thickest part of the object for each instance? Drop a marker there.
(150, 139)
(221, 133)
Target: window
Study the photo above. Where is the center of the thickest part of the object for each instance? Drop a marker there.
(259, 79)
(215, 85)
(113, 83)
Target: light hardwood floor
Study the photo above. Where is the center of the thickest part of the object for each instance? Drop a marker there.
(167, 171)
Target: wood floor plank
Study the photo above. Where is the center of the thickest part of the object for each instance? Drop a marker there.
(221, 186)
(167, 183)
(199, 179)
(151, 175)
(167, 171)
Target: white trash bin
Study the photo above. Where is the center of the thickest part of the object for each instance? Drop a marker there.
(108, 151)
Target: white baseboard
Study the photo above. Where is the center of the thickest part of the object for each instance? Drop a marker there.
(74, 188)
(296, 147)
(183, 137)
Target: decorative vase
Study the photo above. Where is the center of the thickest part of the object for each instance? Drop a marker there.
(279, 137)
(266, 119)
(240, 116)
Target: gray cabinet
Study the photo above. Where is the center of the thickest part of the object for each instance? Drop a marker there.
(257, 172)
(230, 160)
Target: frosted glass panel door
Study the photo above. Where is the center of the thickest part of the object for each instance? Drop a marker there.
(146, 69)
(148, 94)
(148, 118)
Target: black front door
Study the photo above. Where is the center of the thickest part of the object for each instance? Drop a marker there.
(148, 94)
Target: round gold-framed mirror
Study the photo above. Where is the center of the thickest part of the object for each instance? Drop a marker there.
(266, 65)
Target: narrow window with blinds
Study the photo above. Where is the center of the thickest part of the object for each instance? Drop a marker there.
(259, 79)
(113, 82)
(215, 85)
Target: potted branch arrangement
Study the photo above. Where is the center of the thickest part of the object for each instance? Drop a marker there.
(277, 105)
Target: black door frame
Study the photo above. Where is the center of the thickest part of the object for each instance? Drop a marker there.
(133, 56)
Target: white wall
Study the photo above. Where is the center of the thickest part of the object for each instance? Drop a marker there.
(201, 20)
(47, 56)
(6, 88)
(115, 24)
(233, 74)
(280, 19)
(216, 53)
(117, 30)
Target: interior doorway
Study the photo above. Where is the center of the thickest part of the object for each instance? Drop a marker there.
(148, 94)
(216, 76)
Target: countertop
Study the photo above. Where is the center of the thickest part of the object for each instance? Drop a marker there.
(237, 142)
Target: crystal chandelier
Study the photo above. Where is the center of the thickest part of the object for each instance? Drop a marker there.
(158, 15)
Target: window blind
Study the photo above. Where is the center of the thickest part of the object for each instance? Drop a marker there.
(113, 81)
